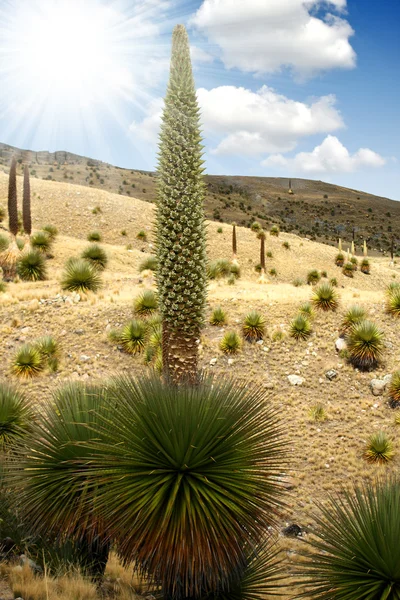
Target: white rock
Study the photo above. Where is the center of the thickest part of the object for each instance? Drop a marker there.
(295, 380)
(377, 386)
(340, 344)
(213, 361)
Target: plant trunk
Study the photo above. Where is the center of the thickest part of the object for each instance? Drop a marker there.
(26, 203)
(262, 254)
(179, 356)
(234, 242)
(12, 199)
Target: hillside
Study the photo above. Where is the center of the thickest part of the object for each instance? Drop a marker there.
(317, 210)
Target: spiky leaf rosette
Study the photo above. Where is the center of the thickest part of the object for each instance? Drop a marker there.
(41, 241)
(379, 448)
(12, 198)
(180, 235)
(356, 551)
(96, 256)
(325, 297)
(354, 315)
(26, 203)
(16, 416)
(146, 303)
(300, 328)
(253, 326)
(31, 266)
(218, 316)
(365, 266)
(80, 276)
(393, 301)
(27, 362)
(133, 336)
(394, 390)
(339, 260)
(191, 475)
(51, 473)
(365, 345)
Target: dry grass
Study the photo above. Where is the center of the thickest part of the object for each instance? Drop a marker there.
(324, 455)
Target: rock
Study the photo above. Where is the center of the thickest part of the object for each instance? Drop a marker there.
(79, 331)
(295, 380)
(378, 386)
(76, 298)
(388, 379)
(68, 301)
(25, 329)
(292, 531)
(84, 357)
(230, 361)
(340, 344)
(331, 374)
(33, 305)
(24, 560)
(213, 361)
(269, 385)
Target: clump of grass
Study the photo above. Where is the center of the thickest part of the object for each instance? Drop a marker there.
(31, 266)
(218, 268)
(257, 268)
(149, 264)
(51, 230)
(394, 390)
(318, 413)
(339, 260)
(219, 230)
(313, 277)
(325, 297)
(218, 317)
(354, 262)
(255, 226)
(253, 326)
(16, 416)
(365, 266)
(80, 276)
(230, 343)
(324, 274)
(354, 315)
(133, 336)
(365, 345)
(50, 351)
(235, 270)
(124, 233)
(231, 280)
(274, 231)
(393, 301)
(298, 282)
(333, 281)
(41, 241)
(96, 256)
(4, 242)
(142, 235)
(146, 303)
(277, 335)
(273, 272)
(96, 210)
(379, 448)
(286, 245)
(94, 236)
(27, 362)
(348, 270)
(307, 310)
(269, 254)
(300, 328)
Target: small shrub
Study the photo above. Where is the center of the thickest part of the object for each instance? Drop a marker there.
(365, 266)
(96, 210)
(96, 256)
(286, 245)
(277, 335)
(4, 242)
(318, 413)
(257, 268)
(50, 351)
(51, 230)
(393, 302)
(348, 270)
(230, 343)
(27, 362)
(313, 277)
(94, 236)
(31, 266)
(324, 274)
(354, 315)
(146, 303)
(307, 310)
(274, 231)
(41, 241)
(218, 268)
(124, 233)
(253, 326)
(325, 297)
(219, 230)
(133, 336)
(269, 254)
(218, 317)
(16, 416)
(394, 390)
(298, 282)
(231, 280)
(339, 260)
(273, 272)
(255, 226)
(354, 262)
(142, 235)
(235, 270)
(149, 264)
(365, 345)
(379, 448)
(80, 276)
(333, 281)
(300, 328)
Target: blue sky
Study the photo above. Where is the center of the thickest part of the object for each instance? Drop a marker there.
(286, 87)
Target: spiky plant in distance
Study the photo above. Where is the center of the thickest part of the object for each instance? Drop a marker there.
(313, 277)
(274, 231)
(394, 390)
(255, 226)
(354, 315)
(230, 343)
(379, 448)
(94, 236)
(234, 243)
(354, 262)
(339, 260)
(355, 550)
(307, 310)
(348, 269)
(80, 276)
(146, 303)
(165, 519)
(149, 264)
(300, 328)
(365, 266)
(133, 336)
(317, 413)
(218, 317)
(253, 326)
(12, 198)
(41, 241)
(26, 203)
(27, 362)
(51, 230)
(180, 233)
(96, 256)
(393, 301)
(16, 416)
(365, 345)
(31, 266)
(325, 297)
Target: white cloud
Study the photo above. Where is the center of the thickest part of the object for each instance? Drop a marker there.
(252, 123)
(262, 36)
(149, 128)
(198, 55)
(331, 156)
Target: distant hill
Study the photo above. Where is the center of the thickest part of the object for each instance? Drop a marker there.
(317, 210)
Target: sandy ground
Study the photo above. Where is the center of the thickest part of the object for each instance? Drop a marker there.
(323, 456)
